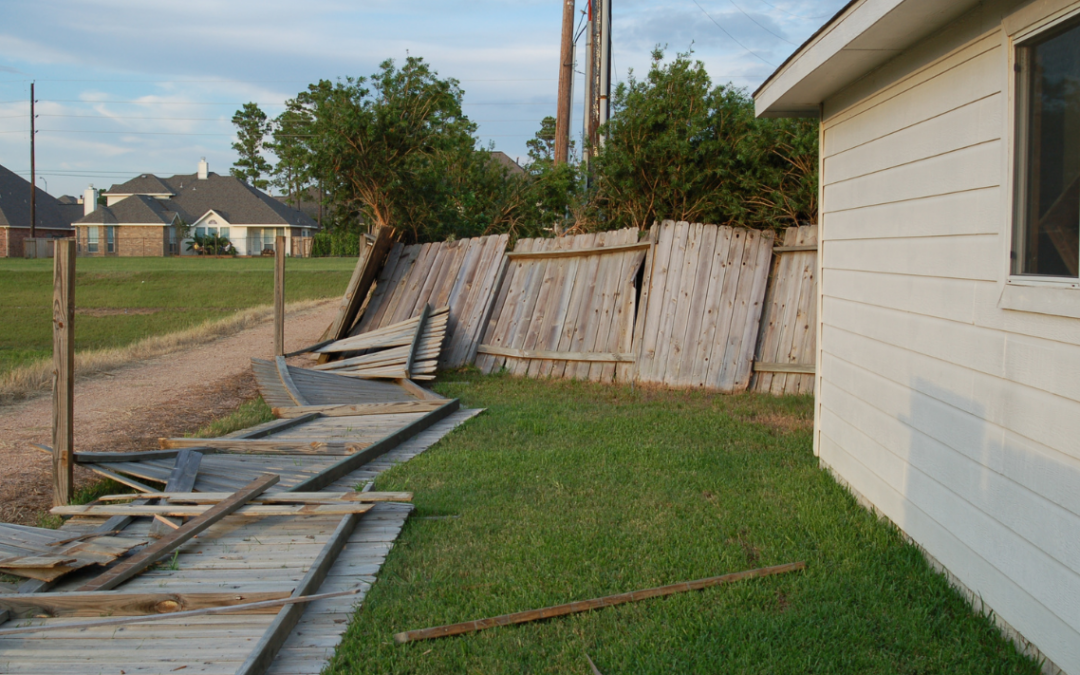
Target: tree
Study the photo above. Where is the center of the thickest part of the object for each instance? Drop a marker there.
(252, 127)
(397, 147)
(679, 148)
(291, 132)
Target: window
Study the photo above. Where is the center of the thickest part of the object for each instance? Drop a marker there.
(225, 232)
(200, 231)
(110, 239)
(1047, 237)
(92, 239)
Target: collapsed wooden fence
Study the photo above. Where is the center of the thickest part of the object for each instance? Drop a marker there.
(686, 305)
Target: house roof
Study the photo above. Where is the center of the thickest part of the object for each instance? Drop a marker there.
(136, 209)
(146, 184)
(15, 204)
(235, 200)
(863, 36)
(507, 162)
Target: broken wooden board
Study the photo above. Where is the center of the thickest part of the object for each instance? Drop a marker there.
(274, 498)
(123, 603)
(358, 409)
(195, 510)
(319, 388)
(261, 446)
(61, 560)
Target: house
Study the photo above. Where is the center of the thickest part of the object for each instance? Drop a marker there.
(15, 214)
(149, 215)
(948, 364)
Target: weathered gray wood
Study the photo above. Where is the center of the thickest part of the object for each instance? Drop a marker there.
(395, 408)
(279, 295)
(794, 249)
(367, 269)
(274, 497)
(272, 446)
(349, 464)
(286, 379)
(123, 603)
(281, 425)
(263, 655)
(63, 430)
(196, 510)
(416, 340)
(182, 479)
(570, 253)
(594, 357)
(162, 547)
(783, 368)
(123, 480)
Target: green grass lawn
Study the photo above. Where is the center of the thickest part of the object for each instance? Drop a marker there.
(566, 491)
(171, 294)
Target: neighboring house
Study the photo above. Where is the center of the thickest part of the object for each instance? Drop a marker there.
(15, 214)
(948, 365)
(205, 203)
(136, 226)
(507, 162)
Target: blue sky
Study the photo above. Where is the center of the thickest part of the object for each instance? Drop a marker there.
(127, 87)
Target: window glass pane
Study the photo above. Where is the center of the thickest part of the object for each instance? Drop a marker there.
(92, 239)
(225, 232)
(1050, 239)
(110, 238)
(200, 231)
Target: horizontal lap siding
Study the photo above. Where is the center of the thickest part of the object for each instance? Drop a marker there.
(956, 419)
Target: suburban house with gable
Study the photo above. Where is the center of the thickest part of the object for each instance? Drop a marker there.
(948, 364)
(52, 222)
(149, 215)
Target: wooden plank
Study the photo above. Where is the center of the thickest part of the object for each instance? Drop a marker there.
(593, 357)
(643, 302)
(368, 266)
(703, 343)
(589, 314)
(569, 253)
(245, 608)
(182, 479)
(174, 540)
(381, 292)
(728, 298)
(122, 603)
(697, 311)
(347, 465)
(546, 299)
(269, 429)
(416, 340)
(105, 457)
(279, 295)
(612, 267)
(683, 300)
(807, 300)
(753, 318)
(263, 655)
(614, 319)
(588, 605)
(669, 302)
(653, 308)
(783, 368)
(418, 391)
(63, 391)
(743, 309)
(123, 480)
(287, 381)
(509, 309)
(795, 249)
(273, 497)
(580, 286)
(293, 446)
(360, 409)
(475, 315)
(789, 310)
(196, 510)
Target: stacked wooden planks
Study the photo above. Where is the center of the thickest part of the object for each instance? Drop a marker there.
(409, 349)
(566, 308)
(703, 301)
(312, 387)
(462, 275)
(787, 345)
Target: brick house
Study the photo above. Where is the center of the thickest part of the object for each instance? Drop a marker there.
(15, 214)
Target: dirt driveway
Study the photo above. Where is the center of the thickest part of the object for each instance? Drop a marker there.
(129, 409)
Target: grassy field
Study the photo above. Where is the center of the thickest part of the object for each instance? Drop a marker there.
(122, 300)
(568, 491)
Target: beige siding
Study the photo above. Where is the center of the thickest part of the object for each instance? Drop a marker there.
(956, 419)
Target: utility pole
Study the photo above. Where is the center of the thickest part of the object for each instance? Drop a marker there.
(605, 65)
(566, 83)
(597, 74)
(33, 171)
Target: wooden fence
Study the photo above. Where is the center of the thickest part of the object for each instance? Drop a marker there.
(703, 304)
(566, 308)
(461, 274)
(689, 305)
(787, 343)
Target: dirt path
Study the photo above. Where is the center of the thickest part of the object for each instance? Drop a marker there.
(131, 408)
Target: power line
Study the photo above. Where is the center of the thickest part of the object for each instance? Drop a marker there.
(797, 16)
(219, 81)
(733, 39)
(129, 133)
(759, 25)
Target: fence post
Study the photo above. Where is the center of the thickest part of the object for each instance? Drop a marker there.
(279, 296)
(63, 438)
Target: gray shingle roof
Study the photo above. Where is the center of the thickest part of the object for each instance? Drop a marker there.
(130, 210)
(235, 200)
(15, 204)
(146, 184)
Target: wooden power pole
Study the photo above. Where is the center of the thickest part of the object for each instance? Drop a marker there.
(566, 85)
(279, 296)
(63, 436)
(33, 170)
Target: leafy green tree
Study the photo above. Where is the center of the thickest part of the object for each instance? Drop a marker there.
(252, 127)
(396, 148)
(291, 132)
(679, 148)
(554, 190)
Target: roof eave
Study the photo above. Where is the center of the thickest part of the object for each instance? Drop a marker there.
(862, 36)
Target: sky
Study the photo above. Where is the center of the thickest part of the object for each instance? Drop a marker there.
(126, 87)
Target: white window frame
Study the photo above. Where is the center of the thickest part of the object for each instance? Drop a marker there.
(1059, 296)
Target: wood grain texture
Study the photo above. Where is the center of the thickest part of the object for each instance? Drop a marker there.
(63, 427)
